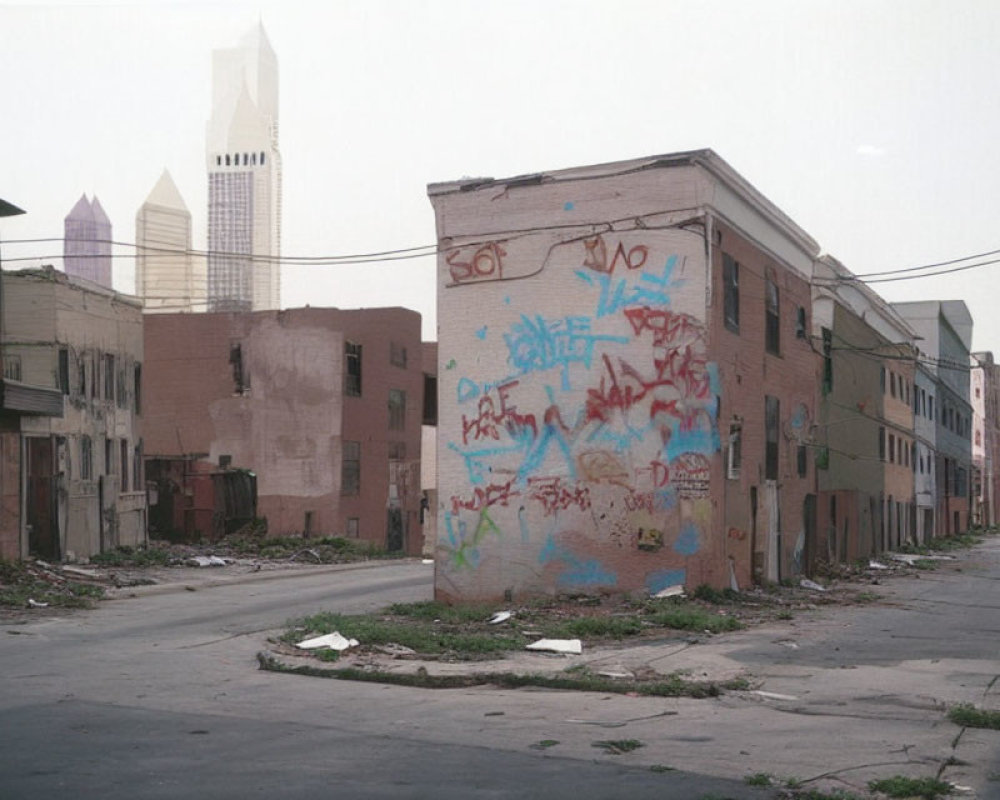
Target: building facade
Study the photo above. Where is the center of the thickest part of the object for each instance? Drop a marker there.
(244, 178)
(87, 242)
(625, 381)
(323, 405)
(83, 485)
(945, 331)
(165, 278)
(986, 437)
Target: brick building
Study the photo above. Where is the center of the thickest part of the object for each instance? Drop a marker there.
(626, 381)
(323, 405)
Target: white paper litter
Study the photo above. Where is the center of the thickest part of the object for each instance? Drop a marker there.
(332, 640)
(573, 646)
(773, 695)
(876, 565)
(671, 591)
(500, 616)
(427, 561)
(805, 583)
(32, 603)
(206, 561)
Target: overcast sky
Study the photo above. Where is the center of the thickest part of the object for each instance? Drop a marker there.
(874, 125)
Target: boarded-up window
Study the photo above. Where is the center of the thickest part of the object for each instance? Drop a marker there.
(397, 409)
(352, 369)
(772, 417)
(350, 478)
(731, 292)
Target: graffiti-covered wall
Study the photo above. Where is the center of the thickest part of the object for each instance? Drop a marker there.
(578, 412)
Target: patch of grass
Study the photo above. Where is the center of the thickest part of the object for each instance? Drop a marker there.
(132, 557)
(19, 583)
(544, 744)
(759, 779)
(971, 717)
(601, 627)
(692, 618)
(662, 768)
(784, 615)
(900, 786)
(616, 747)
(427, 638)
(816, 794)
(924, 563)
(433, 611)
(866, 597)
(708, 594)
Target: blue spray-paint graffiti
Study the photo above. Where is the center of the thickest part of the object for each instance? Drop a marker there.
(580, 573)
(537, 344)
(665, 578)
(617, 293)
(687, 543)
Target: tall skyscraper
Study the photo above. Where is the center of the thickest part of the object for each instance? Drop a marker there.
(244, 178)
(164, 264)
(87, 242)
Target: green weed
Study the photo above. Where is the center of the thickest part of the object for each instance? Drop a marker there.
(616, 747)
(971, 717)
(900, 786)
(758, 779)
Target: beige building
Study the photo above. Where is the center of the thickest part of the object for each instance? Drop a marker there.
(83, 490)
(166, 278)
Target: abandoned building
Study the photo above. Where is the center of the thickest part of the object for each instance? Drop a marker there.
(82, 485)
(626, 381)
(324, 406)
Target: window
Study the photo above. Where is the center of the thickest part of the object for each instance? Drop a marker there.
(913, 455)
(735, 456)
(109, 377)
(95, 366)
(430, 399)
(109, 456)
(892, 449)
(12, 368)
(801, 460)
(772, 416)
(397, 451)
(800, 324)
(352, 369)
(397, 409)
(81, 372)
(353, 527)
(137, 467)
(827, 361)
(881, 444)
(731, 292)
(123, 464)
(772, 321)
(881, 380)
(930, 406)
(350, 478)
(397, 354)
(64, 370)
(120, 386)
(241, 377)
(86, 458)
(892, 383)
(137, 388)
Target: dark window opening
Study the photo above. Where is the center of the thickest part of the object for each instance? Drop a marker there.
(397, 451)
(800, 324)
(735, 457)
(772, 322)
(397, 354)
(64, 370)
(772, 417)
(430, 399)
(731, 292)
(123, 465)
(352, 369)
(109, 377)
(827, 361)
(241, 380)
(801, 461)
(137, 388)
(86, 458)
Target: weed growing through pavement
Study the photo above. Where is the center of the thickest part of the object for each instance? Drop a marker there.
(662, 768)
(758, 779)
(900, 786)
(971, 717)
(544, 744)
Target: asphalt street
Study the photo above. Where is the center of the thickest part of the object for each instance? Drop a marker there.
(159, 696)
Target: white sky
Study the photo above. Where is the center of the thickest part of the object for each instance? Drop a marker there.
(873, 124)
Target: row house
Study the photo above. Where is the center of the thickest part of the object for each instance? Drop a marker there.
(18, 401)
(985, 378)
(83, 490)
(324, 406)
(626, 381)
(944, 330)
(865, 439)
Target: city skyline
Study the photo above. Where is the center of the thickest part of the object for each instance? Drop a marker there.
(833, 110)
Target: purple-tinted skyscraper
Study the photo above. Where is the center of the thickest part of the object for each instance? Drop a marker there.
(87, 242)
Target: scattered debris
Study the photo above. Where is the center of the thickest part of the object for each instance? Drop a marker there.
(500, 616)
(332, 640)
(394, 650)
(544, 744)
(616, 747)
(32, 603)
(312, 554)
(206, 561)
(571, 646)
(805, 583)
(618, 673)
(670, 591)
(773, 695)
(787, 643)
(427, 561)
(873, 564)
